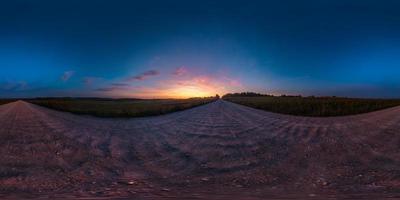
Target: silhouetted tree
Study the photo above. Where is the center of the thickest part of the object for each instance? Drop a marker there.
(246, 94)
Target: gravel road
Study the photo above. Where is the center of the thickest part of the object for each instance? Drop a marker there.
(219, 150)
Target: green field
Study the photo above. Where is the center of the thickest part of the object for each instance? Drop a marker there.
(120, 107)
(313, 106)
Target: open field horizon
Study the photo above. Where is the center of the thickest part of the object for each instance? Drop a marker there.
(292, 105)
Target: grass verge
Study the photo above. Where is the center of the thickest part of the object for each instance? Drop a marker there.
(314, 106)
(5, 101)
(120, 107)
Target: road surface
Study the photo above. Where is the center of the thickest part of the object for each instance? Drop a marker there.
(217, 151)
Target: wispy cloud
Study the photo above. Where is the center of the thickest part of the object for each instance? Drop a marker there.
(67, 75)
(233, 82)
(143, 76)
(106, 89)
(13, 86)
(90, 80)
(180, 71)
(120, 84)
(114, 87)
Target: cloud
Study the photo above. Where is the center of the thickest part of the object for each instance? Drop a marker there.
(143, 76)
(120, 84)
(107, 89)
(67, 75)
(89, 80)
(233, 82)
(14, 86)
(180, 71)
(114, 87)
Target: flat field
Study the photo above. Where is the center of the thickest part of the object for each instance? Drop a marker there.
(120, 107)
(314, 106)
(5, 101)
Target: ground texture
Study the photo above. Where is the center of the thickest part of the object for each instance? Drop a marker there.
(217, 151)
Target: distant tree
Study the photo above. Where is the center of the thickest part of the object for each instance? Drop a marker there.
(245, 94)
(285, 95)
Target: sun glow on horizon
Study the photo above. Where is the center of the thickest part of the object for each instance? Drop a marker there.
(175, 85)
(176, 92)
(191, 91)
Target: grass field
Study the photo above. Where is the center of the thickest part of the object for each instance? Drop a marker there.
(314, 106)
(121, 107)
(5, 101)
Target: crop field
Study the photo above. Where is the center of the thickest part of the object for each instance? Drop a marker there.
(314, 106)
(120, 107)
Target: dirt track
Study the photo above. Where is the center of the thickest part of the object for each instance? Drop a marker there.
(214, 151)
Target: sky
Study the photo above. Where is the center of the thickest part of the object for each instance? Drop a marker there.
(179, 49)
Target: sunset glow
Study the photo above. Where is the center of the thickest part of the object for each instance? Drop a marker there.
(190, 91)
(175, 86)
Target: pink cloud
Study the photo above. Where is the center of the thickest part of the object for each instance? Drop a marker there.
(233, 82)
(180, 71)
(203, 80)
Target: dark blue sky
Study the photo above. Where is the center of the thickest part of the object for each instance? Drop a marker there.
(196, 48)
